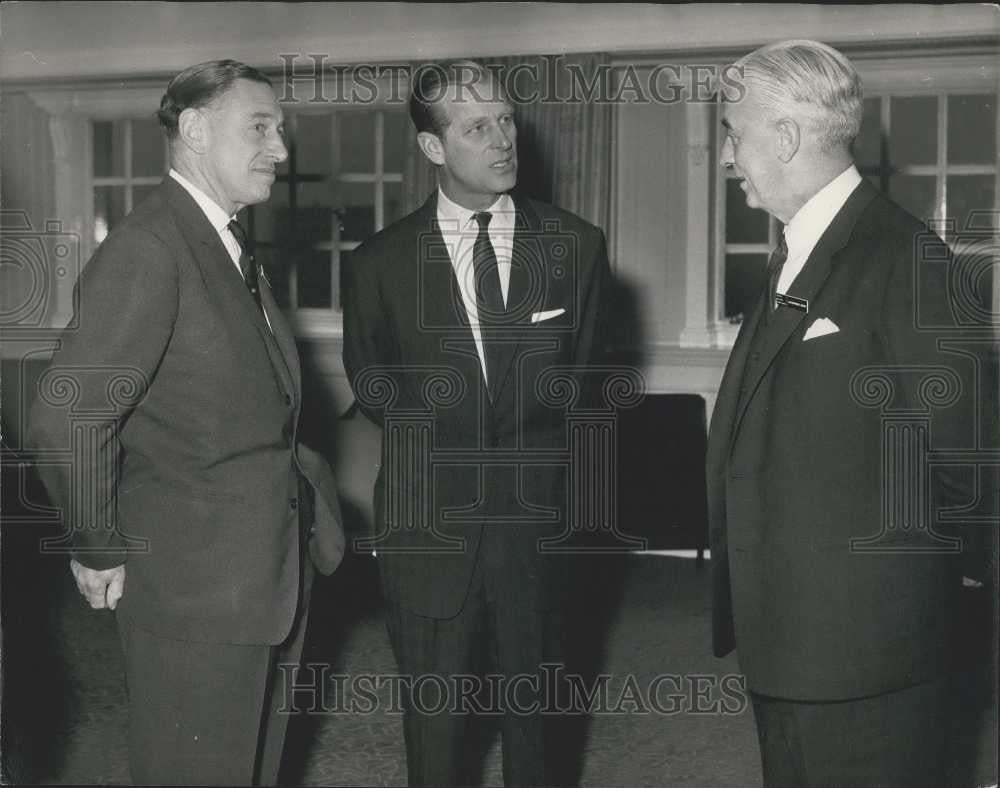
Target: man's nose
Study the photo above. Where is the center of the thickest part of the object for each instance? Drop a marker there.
(278, 149)
(502, 139)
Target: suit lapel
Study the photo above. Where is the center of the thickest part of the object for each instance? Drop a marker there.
(770, 338)
(724, 414)
(437, 275)
(527, 265)
(281, 347)
(223, 278)
(440, 309)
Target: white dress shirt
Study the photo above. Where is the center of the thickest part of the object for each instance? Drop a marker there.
(219, 220)
(459, 230)
(810, 222)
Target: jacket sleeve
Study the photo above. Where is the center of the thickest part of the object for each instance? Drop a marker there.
(366, 332)
(105, 362)
(326, 538)
(938, 375)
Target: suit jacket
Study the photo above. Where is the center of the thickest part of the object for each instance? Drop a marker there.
(453, 461)
(796, 470)
(185, 466)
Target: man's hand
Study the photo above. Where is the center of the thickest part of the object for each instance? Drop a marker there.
(100, 587)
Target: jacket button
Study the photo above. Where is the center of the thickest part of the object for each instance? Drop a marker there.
(288, 399)
(293, 502)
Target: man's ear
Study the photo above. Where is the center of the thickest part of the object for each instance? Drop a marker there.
(431, 145)
(192, 129)
(789, 139)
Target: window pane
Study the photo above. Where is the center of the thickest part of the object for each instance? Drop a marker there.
(357, 142)
(313, 139)
(972, 129)
(314, 280)
(272, 220)
(868, 145)
(393, 202)
(109, 148)
(915, 193)
(357, 210)
(397, 139)
(744, 280)
(913, 139)
(743, 224)
(109, 209)
(314, 214)
(147, 147)
(968, 193)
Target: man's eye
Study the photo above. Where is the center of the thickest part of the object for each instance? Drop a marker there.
(260, 128)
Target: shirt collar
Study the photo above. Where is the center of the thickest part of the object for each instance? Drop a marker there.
(812, 219)
(457, 217)
(209, 207)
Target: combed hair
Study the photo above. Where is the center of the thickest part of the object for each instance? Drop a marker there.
(430, 84)
(199, 85)
(812, 78)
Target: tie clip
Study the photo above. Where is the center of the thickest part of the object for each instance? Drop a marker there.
(794, 302)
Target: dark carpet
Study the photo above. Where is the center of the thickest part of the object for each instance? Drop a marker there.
(663, 712)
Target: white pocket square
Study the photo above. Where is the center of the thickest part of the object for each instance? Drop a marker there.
(820, 328)
(538, 317)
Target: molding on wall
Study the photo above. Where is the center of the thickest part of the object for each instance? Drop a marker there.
(86, 38)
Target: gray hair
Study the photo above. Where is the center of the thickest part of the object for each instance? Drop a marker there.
(813, 79)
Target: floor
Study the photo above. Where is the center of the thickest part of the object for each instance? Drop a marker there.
(642, 623)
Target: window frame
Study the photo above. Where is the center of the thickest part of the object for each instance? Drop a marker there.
(72, 109)
(126, 179)
(327, 322)
(938, 71)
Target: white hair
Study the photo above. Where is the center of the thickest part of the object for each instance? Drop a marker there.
(812, 79)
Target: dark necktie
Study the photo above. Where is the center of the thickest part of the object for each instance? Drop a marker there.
(489, 301)
(247, 265)
(774, 265)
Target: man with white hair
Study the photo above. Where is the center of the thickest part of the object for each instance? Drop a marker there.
(838, 601)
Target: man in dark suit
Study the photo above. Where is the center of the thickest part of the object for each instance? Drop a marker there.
(829, 577)
(456, 320)
(191, 508)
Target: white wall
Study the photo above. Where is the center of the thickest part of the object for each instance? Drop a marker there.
(41, 40)
(661, 199)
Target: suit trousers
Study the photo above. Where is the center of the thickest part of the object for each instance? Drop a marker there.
(207, 713)
(497, 629)
(898, 738)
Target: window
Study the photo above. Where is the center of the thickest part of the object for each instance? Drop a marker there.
(933, 152)
(750, 235)
(934, 155)
(129, 158)
(342, 182)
